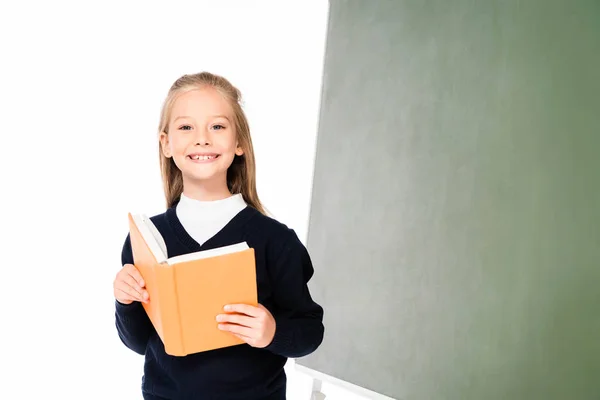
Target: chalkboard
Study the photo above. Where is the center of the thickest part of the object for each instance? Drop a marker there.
(455, 214)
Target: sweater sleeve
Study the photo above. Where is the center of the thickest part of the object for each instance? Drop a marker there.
(133, 325)
(299, 320)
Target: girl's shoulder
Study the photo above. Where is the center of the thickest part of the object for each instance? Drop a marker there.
(270, 231)
(267, 224)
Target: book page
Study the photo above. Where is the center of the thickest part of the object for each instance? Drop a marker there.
(159, 239)
(151, 236)
(208, 253)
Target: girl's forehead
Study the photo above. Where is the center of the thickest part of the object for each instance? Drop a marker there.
(205, 101)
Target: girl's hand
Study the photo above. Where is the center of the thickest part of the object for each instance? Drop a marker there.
(129, 286)
(254, 325)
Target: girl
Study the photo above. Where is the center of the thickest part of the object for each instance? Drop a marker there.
(208, 171)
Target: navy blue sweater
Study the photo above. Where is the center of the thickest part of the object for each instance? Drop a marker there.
(283, 268)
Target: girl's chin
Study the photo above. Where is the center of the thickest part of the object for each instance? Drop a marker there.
(207, 177)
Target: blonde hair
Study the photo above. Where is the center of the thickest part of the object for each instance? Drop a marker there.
(241, 175)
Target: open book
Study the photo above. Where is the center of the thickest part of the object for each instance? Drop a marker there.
(187, 292)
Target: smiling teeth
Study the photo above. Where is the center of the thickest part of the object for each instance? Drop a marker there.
(202, 157)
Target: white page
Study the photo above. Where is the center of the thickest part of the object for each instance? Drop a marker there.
(234, 248)
(159, 239)
(143, 224)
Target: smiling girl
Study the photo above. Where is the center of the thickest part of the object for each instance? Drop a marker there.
(208, 171)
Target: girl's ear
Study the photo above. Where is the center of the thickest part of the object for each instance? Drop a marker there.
(164, 144)
(238, 150)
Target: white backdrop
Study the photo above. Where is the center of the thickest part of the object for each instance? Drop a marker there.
(81, 85)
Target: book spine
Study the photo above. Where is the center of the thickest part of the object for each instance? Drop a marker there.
(170, 314)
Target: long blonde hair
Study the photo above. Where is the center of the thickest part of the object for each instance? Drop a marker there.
(241, 175)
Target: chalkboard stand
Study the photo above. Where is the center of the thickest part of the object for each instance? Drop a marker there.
(316, 390)
(319, 378)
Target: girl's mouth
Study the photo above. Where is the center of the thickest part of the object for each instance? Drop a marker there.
(203, 157)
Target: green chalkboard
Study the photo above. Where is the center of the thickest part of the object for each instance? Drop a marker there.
(455, 215)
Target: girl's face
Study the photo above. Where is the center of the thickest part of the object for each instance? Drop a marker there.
(201, 138)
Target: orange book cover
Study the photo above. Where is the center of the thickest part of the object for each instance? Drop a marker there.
(188, 292)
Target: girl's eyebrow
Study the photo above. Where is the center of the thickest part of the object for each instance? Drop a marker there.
(212, 116)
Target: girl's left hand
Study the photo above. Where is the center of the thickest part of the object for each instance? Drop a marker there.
(254, 325)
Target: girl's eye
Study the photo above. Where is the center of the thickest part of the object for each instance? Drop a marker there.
(185, 127)
(218, 127)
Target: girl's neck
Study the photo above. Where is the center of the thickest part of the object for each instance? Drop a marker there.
(206, 191)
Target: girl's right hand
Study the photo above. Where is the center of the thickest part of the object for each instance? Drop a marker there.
(129, 285)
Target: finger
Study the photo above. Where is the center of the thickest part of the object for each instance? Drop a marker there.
(134, 282)
(133, 271)
(124, 297)
(244, 309)
(241, 330)
(128, 290)
(128, 279)
(239, 319)
(246, 339)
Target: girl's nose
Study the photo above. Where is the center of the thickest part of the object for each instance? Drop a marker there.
(202, 138)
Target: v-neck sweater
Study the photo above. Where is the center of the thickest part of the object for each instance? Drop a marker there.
(283, 269)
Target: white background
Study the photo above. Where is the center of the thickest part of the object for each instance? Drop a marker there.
(81, 86)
